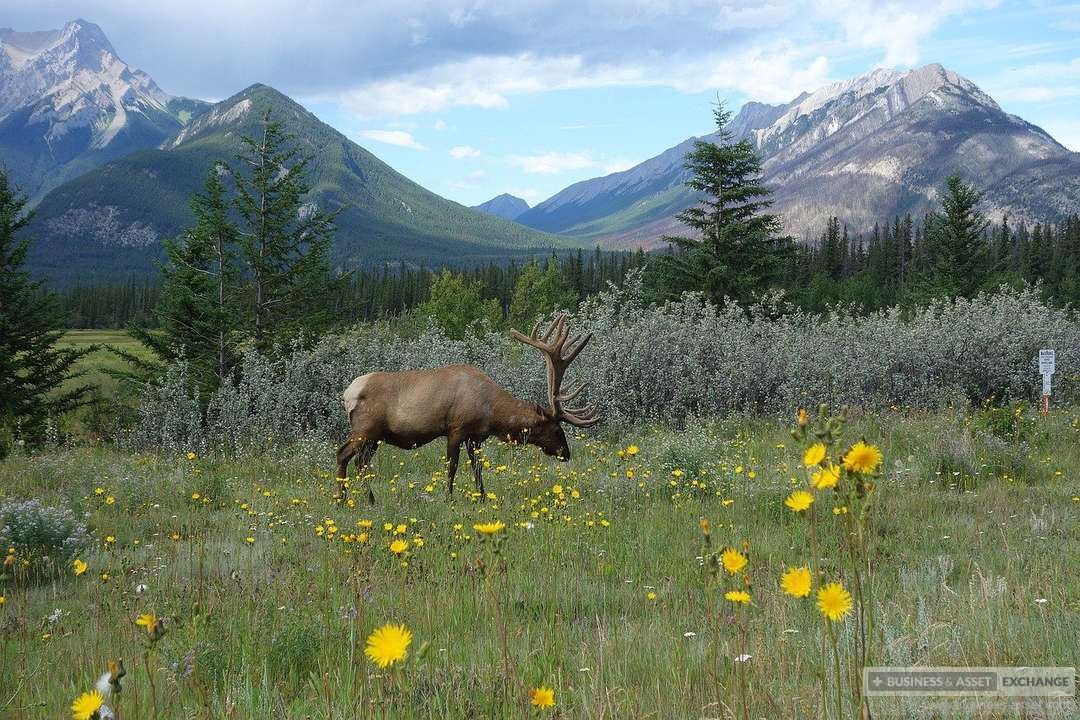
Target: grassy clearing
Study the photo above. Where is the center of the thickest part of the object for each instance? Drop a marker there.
(109, 396)
(269, 588)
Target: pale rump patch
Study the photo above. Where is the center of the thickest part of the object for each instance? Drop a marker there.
(352, 394)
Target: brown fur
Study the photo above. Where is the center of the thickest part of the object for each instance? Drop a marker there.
(458, 402)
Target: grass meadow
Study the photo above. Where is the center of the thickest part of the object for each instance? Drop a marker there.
(598, 588)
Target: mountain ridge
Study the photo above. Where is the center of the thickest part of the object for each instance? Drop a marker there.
(68, 103)
(862, 149)
(113, 218)
(504, 205)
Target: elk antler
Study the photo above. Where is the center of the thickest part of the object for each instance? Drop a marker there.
(559, 354)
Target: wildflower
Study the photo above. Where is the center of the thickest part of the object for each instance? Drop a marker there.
(839, 510)
(192, 456)
(543, 697)
(148, 621)
(651, 596)
(632, 450)
(2, 600)
(399, 546)
(388, 644)
(110, 500)
(799, 500)
(825, 478)
(862, 458)
(490, 528)
(802, 417)
(705, 527)
(737, 596)
(796, 581)
(557, 489)
(80, 566)
(87, 705)
(834, 601)
(733, 560)
(814, 455)
(249, 540)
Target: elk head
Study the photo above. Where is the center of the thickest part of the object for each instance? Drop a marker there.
(559, 350)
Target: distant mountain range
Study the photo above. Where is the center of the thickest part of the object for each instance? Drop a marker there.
(505, 206)
(134, 158)
(863, 150)
(110, 161)
(68, 104)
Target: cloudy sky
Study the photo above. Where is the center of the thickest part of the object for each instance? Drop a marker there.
(476, 98)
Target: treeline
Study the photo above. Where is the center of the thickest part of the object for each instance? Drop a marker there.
(367, 294)
(896, 263)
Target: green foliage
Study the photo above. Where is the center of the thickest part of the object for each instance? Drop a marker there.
(32, 367)
(736, 251)
(539, 292)
(456, 304)
(955, 249)
(198, 312)
(38, 531)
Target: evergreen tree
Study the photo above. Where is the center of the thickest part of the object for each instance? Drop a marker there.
(198, 311)
(32, 367)
(284, 243)
(737, 249)
(955, 239)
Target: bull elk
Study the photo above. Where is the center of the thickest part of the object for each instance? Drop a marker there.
(459, 402)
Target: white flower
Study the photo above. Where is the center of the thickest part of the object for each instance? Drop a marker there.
(1041, 601)
(141, 588)
(689, 634)
(743, 658)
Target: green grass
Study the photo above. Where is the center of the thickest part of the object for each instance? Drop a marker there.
(275, 627)
(109, 396)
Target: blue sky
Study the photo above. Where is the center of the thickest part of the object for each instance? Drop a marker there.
(476, 98)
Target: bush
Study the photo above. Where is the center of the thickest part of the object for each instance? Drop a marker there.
(40, 532)
(686, 358)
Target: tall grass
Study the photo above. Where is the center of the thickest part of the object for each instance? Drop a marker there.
(976, 574)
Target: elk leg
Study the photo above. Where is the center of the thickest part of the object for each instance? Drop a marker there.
(471, 446)
(453, 450)
(344, 454)
(363, 459)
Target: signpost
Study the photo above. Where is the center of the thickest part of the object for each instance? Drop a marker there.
(1046, 367)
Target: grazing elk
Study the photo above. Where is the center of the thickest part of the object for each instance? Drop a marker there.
(411, 408)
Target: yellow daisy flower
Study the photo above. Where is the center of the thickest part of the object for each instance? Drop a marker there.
(834, 601)
(862, 458)
(737, 596)
(799, 500)
(796, 582)
(733, 560)
(814, 455)
(543, 697)
(491, 528)
(825, 478)
(79, 566)
(399, 546)
(87, 705)
(388, 645)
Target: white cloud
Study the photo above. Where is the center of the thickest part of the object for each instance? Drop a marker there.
(1037, 83)
(460, 152)
(552, 162)
(439, 124)
(393, 137)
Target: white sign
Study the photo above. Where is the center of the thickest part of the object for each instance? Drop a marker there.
(1046, 384)
(1046, 362)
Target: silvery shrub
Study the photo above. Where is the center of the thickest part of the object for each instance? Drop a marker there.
(41, 531)
(656, 363)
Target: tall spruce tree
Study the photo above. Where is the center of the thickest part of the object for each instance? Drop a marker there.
(736, 250)
(955, 239)
(284, 243)
(32, 367)
(197, 314)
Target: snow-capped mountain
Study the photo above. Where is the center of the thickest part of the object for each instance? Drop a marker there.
(69, 103)
(863, 149)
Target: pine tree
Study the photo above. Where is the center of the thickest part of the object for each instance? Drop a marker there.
(539, 292)
(955, 239)
(198, 311)
(737, 250)
(284, 243)
(32, 367)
